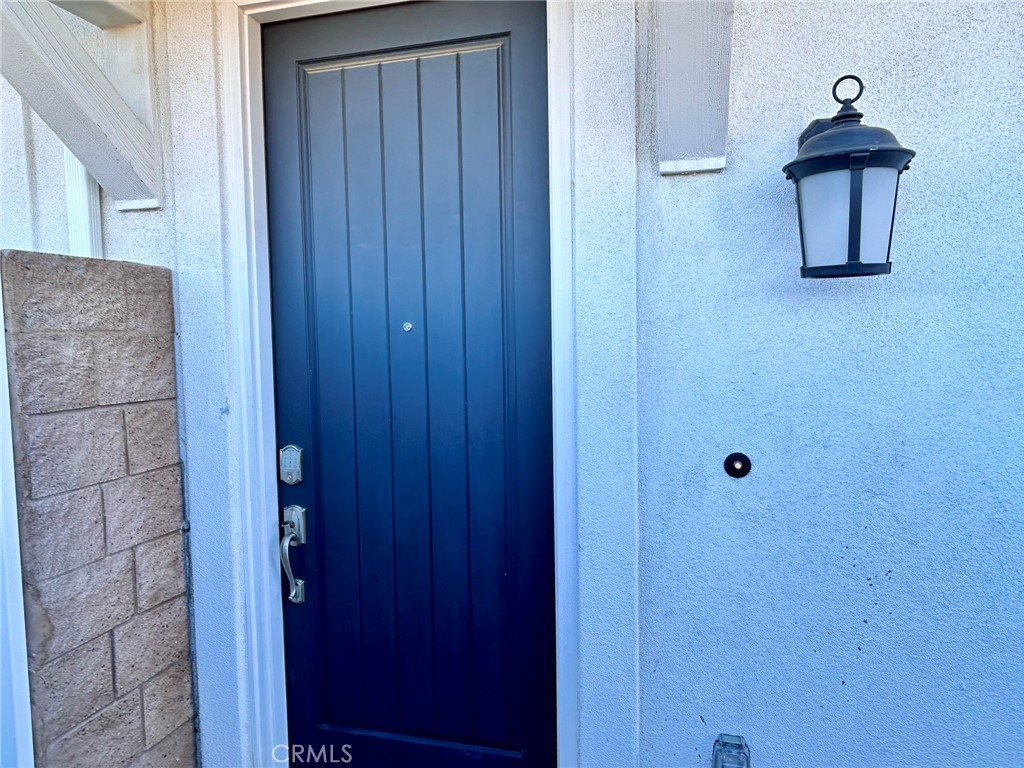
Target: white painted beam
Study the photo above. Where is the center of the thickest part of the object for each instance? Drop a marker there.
(127, 65)
(49, 68)
(694, 53)
(105, 13)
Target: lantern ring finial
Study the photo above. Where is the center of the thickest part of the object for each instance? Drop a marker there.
(843, 79)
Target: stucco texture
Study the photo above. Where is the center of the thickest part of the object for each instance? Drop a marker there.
(856, 600)
(605, 291)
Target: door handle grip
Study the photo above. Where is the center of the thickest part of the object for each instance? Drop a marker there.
(296, 587)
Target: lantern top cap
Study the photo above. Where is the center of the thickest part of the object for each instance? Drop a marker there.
(843, 79)
(845, 135)
(846, 109)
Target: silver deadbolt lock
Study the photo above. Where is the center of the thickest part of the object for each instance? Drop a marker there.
(289, 464)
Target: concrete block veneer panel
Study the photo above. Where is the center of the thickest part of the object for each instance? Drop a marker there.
(91, 367)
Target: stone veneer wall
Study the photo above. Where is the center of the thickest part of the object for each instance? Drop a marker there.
(90, 347)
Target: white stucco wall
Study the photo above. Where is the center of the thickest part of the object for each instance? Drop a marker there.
(883, 415)
(604, 223)
(856, 600)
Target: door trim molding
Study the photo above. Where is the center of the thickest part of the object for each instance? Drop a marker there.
(248, 262)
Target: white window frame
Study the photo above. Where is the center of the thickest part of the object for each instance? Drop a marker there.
(249, 269)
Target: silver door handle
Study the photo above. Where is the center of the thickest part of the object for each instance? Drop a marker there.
(294, 527)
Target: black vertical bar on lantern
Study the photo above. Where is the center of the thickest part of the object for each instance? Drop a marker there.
(858, 162)
(892, 222)
(800, 221)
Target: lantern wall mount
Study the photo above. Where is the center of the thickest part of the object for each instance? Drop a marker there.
(846, 177)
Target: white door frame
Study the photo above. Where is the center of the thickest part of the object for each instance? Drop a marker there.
(249, 270)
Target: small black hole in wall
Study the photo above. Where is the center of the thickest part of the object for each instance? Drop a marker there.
(737, 465)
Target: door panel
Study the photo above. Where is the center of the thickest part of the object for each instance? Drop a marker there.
(407, 178)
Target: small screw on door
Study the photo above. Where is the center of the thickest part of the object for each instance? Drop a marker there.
(406, 327)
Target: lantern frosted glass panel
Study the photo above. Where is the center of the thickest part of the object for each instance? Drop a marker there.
(825, 217)
(876, 213)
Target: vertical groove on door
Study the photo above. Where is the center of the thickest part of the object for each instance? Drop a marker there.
(391, 387)
(312, 231)
(332, 457)
(483, 310)
(372, 396)
(409, 404)
(352, 370)
(445, 370)
(465, 389)
(426, 393)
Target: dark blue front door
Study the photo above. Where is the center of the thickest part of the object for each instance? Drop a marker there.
(407, 176)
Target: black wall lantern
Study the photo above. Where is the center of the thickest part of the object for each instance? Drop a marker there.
(846, 177)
